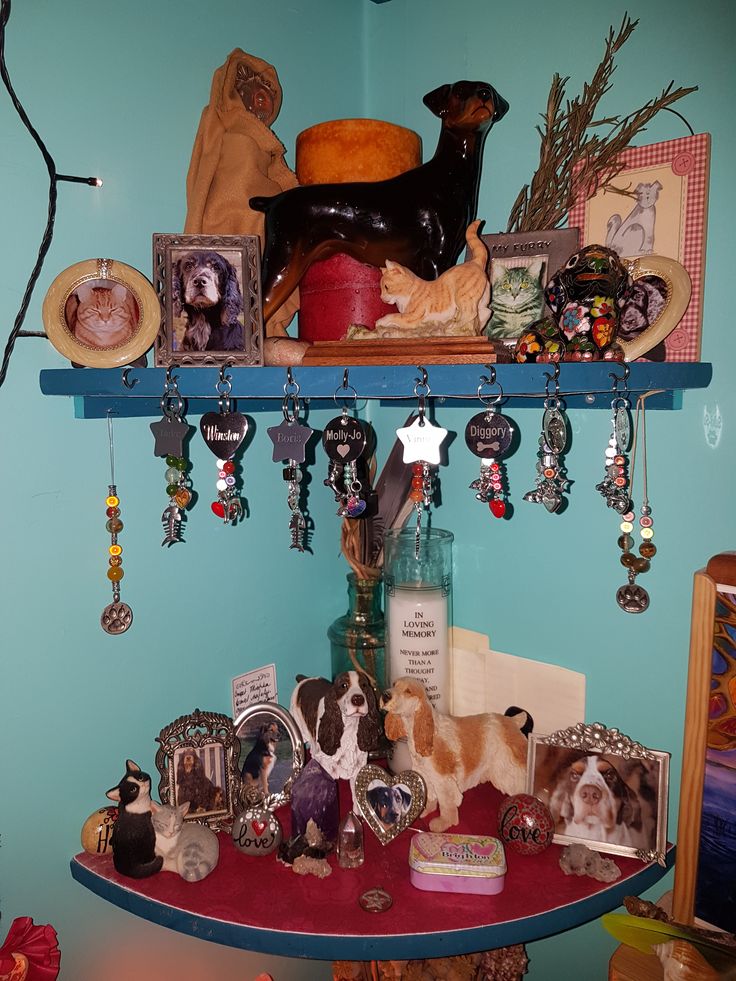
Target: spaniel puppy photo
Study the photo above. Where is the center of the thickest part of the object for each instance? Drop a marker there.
(339, 721)
(455, 753)
(389, 804)
(205, 292)
(261, 759)
(589, 799)
(193, 784)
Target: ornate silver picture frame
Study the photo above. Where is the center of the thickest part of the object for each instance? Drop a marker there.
(271, 754)
(210, 291)
(603, 790)
(198, 762)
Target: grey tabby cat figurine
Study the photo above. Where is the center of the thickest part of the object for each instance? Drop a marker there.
(189, 848)
(517, 297)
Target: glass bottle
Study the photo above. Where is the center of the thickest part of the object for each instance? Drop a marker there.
(418, 605)
(357, 639)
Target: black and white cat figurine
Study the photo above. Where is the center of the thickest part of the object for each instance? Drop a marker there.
(133, 838)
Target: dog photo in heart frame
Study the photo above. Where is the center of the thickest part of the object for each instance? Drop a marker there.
(389, 803)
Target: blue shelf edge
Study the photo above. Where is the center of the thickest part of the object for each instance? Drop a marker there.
(137, 391)
(394, 947)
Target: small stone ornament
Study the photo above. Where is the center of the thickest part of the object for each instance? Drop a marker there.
(224, 432)
(551, 480)
(525, 824)
(290, 440)
(170, 434)
(257, 831)
(344, 440)
(350, 854)
(489, 435)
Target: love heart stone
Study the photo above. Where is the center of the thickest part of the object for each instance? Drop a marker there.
(525, 824)
(256, 831)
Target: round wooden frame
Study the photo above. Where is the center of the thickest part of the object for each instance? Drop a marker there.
(57, 329)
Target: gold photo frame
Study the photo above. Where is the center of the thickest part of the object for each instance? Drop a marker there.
(101, 313)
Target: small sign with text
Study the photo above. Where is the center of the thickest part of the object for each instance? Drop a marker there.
(254, 687)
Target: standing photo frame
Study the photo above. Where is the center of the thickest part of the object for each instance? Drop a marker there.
(210, 291)
(706, 836)
(657, 204)
(198, 762)
(603, 790)
(271, 754)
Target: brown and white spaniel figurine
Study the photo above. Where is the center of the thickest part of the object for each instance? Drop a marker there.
(590, 800)
(338, 720)
(455, 753)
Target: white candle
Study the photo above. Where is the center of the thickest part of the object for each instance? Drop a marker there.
(417, 639)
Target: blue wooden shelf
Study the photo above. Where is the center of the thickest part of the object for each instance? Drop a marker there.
(137, 391)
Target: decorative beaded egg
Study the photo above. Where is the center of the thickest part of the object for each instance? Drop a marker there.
(525, 824)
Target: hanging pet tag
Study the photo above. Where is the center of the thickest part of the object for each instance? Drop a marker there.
(622, 427)
(223, 432)
(344, 439)
(169, 435)
(422, 441)
(554, 429)
(289, 440)
(489, 435)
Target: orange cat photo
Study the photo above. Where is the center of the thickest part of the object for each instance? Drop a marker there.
(101, 314)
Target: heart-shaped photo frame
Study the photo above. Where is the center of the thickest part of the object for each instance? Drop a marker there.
(389, 802)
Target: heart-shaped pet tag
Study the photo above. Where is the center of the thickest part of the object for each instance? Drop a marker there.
(223, 432)
(389, 802)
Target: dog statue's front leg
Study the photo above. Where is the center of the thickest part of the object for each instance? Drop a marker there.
(450, 799)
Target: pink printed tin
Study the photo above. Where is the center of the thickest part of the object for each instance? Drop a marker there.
(457, 863)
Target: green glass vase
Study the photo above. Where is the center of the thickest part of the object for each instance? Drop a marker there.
(357, 639)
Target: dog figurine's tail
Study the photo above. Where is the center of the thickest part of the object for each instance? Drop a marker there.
(525, 724)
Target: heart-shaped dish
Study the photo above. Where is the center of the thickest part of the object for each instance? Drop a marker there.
(389, 802)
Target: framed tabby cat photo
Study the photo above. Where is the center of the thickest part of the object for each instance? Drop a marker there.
(210, 291)
(101, 313)
(519, 266)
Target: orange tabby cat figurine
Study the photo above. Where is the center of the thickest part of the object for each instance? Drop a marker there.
(456, 303)
(105, 317)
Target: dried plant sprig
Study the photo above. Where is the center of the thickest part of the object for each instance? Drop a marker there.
(572, 160)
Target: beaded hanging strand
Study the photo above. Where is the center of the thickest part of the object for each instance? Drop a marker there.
(633, 598)
(117, 616)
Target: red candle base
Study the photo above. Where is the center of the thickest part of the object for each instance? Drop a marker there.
(336, 293)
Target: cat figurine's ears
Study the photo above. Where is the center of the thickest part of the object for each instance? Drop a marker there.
(131, 767)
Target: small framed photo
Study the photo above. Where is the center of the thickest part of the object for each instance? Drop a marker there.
(519, 266)
(603, 790)
(198, 762)
(101, 313)
(657, 205)
(271, 754)
(210, 290)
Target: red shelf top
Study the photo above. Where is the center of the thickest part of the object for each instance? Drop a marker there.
(257, 903)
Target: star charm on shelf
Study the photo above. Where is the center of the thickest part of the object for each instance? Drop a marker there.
(169, 435)
(289, 441)
(422, 441)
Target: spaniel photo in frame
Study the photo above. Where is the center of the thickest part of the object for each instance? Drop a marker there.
(209, 288)
(602, 789)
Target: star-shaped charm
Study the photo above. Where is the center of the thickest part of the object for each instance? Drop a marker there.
(169, 435)
(289, 441)
(422, 441)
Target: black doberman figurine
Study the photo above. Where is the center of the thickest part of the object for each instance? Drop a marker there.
(417, 219)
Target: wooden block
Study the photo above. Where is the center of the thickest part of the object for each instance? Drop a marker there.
(392, 351)
(628, 964)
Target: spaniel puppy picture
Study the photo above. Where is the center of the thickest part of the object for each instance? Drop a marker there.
(601, 798)
(193, 784)
(206, 295)
(261, 760)
(339, 721)
(455, 753)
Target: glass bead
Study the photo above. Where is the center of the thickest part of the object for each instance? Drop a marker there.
(171, 489)
(416, 495)
(645, 521)
(645, 509)
(112, 512)
(221, 485)
(115, 560)
(112, 501)
(648, 550)
(620, 481)
(229, 466)
(417, 482)
(181, 463)
(182, 497)
(495, 467)
(230, 480)
(641, 565)
(625, 542)
(171, 476)
(629, 516)
(114, 525)
(549, 473)
(626, 527)
(115, 573)
(628, 559)
(289, 473)
(115, 549)
(171, 460)
(417, 468)
(647, 533)
(220, 464)
(619, 460)
(221, 473)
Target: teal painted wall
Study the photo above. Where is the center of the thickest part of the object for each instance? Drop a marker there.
(116, 90)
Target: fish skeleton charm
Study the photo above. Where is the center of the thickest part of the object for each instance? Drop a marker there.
(171, 519)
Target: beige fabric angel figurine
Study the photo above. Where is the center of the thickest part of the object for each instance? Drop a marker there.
(236, 156)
